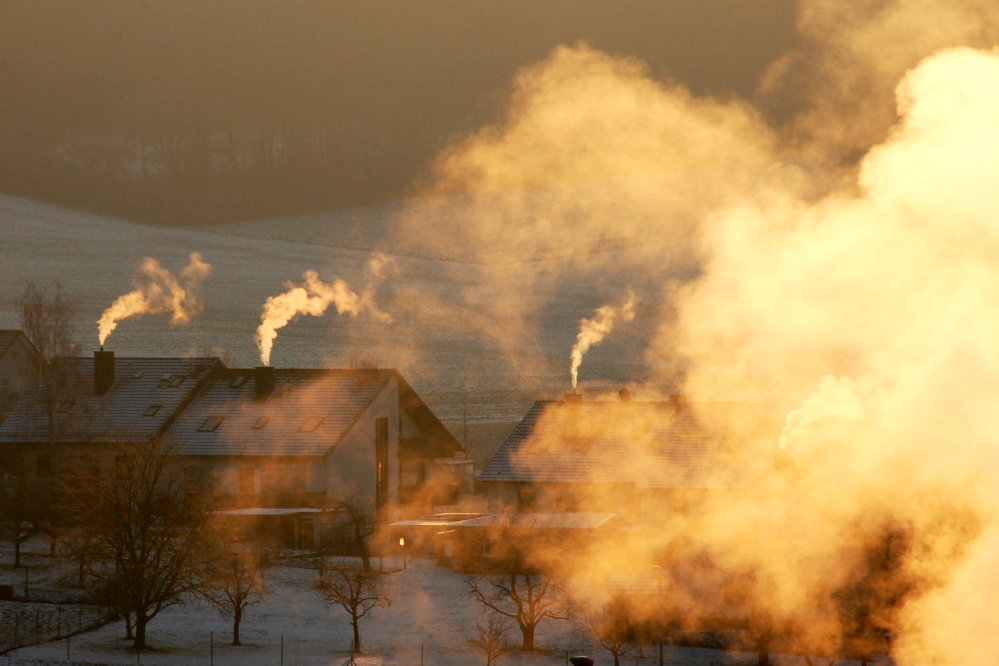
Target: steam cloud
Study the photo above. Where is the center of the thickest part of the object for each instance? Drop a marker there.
(313, 297)
(837, 268)
(592, 331)
(157, 291)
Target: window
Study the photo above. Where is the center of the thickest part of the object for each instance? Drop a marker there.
(152, 409)
(175, 381)
(260, 422)
(65, 406)
(211, 424)
(311, 424)
(247, 480)
(237, 381)
(137, 374)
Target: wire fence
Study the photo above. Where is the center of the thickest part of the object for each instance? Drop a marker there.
(24, 623)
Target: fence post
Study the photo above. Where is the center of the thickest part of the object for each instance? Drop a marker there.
(37, 619)
(282, 649)
(211, 649)
(17, 617)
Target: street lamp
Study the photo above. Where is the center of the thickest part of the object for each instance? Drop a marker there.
(660, 571)
(402, 545)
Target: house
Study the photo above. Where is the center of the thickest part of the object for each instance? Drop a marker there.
(644, 460)
(85, 407)
(281, 442)
(267, 438)
(20, 365)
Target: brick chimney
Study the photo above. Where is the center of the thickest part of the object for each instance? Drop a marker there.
(263, 381)
(572, 398)
(103, 371)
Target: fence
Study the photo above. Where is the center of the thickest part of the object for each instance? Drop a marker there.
(23, 624)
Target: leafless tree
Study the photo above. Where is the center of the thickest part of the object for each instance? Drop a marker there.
(26, 508)
(490, 637)
(608, 624)
(361, 526)
(140, 538)
(357, 591)
(235, 581)
(526, 598)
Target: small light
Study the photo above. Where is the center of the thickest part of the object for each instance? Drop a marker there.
(402, 541)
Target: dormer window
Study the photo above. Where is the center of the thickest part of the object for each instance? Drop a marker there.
(151, 410)
(260, 422)
(176, 381)
(237, 381)
(65, 406)
(211, 424)
(312, 424)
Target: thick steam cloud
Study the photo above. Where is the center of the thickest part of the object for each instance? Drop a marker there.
(157, 291)
(313, 297)
(593, 330)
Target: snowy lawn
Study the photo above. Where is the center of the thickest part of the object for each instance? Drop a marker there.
(430, 608)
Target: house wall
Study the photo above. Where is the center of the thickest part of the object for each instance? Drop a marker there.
(350, 468)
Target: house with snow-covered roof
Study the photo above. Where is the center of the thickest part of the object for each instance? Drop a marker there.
(261, 438)
(640, 459)
(267, 437)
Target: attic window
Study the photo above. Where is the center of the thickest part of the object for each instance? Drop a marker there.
(65, 406)
(260, 422)
(176, 381)
(152, 409)
(164, 381)
(312, 424)
(237, 381)
(137, 374)
(211, 424)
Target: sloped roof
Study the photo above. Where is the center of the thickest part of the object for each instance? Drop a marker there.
(645, 444)
(307, 413)
(7, 338)
(124, 413)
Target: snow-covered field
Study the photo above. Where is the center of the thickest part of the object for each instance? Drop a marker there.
(431, 612)
(496, 337)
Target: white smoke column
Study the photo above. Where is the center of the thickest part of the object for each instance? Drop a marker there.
(157, 291)
(593, 331)
(313, 297)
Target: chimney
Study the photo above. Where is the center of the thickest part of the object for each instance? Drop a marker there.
(677, 401)
(572, 398)
(624, 395)
(103, 371)
(263, 381)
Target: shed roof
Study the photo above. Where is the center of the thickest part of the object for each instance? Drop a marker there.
(645, 444)
(139, 404)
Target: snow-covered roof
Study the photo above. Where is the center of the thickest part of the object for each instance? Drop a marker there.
(646, 444)
(307, 413)
(138, 405)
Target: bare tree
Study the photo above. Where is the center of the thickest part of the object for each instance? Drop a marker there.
(490, 637)
(608, 624)
(361, 526)
(357, 591)
(47, 320)
(526, 598)
(235, 581)
(141, 539)
(24, 508)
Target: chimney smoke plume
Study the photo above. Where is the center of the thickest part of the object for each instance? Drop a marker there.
(592, 331)
(157, 291)
(313, 297)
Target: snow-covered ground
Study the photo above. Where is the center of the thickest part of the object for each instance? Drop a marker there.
(494, 337)
(431, 613)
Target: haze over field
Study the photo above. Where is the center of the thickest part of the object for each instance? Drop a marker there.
(824, 246)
